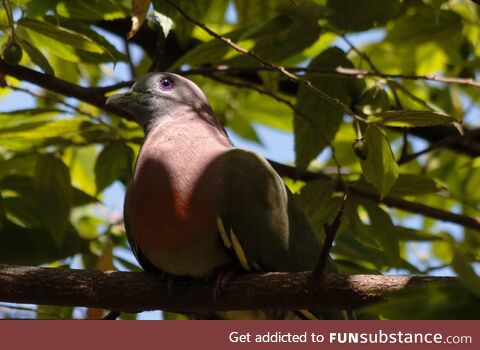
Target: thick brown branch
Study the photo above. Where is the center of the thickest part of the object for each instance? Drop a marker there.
(135, 291)
(60, 86)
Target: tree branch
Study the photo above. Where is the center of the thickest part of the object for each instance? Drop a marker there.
(422, 209)
(138, 291)
(60, 86)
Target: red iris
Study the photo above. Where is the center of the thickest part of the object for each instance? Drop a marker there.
(166, 84)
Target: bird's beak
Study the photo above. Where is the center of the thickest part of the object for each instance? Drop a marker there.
(123, 100)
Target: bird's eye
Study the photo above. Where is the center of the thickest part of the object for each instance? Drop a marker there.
(166, 84)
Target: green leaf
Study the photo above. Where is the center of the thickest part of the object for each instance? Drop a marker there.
(82, 198)
(19, 116)
(407, 185)
(466, 273)
(53, 47)
(60, 34)
(380, 168)
(427, 302)
(81, 161)
(214, 51)
(113, 163)
(409, 234)
(35, 246)
(325, 117)
(410, 119)
(412, 184)
(358, 15)
(256, 108)
(348, 246)
(361, 231)
(22, 163)
(37, 57)
(47, 129)
(91, 10)
(243, 128)
(420, 26)
(301, 32)
(315, 198)
(111, 53)
(54, 194)
(373, 100)
(251, 13)
(384, 232)
(22, 211)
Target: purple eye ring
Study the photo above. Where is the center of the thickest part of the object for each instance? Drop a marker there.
(166, 84)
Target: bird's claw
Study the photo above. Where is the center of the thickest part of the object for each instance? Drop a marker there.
(224, 276)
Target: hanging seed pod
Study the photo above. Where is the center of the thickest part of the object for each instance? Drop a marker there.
(12, 53)
(360, 149)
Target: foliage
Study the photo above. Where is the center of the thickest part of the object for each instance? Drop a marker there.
(407, 80)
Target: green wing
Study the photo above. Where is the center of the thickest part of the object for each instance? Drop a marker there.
(262, 222)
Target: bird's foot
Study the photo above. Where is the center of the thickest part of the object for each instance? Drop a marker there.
(224, 276)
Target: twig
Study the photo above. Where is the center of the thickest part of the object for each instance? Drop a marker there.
(330, 232)
(349, 72)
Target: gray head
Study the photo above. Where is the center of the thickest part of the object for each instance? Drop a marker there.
(157, 96)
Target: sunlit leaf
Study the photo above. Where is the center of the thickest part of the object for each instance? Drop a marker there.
(37, 57)
(380, 168)
(91, 10)
(406, 118)
(60, 34)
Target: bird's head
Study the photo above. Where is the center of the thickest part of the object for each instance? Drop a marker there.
(157, 96)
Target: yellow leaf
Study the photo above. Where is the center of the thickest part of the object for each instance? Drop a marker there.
(139, 12)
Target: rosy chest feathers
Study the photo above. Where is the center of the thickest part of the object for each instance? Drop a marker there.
(171, 206)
